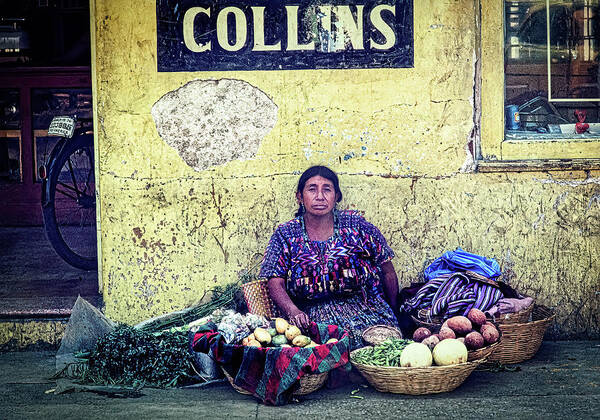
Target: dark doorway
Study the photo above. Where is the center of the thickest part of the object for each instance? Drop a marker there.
(44, 72)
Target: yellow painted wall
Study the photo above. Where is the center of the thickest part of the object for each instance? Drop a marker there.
(31, 334)
(398, 139)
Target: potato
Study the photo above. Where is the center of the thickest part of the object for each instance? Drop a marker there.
(476, 317)
(446, 332)
(431, 341)
(490, 333)
(421, 334)
(461, 339)
(460, 325)
(474, 340)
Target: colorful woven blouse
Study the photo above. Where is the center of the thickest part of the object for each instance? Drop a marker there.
(346, 263)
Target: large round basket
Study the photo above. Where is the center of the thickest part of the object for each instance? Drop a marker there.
(415, 381)
(521, 341)
(308, 383)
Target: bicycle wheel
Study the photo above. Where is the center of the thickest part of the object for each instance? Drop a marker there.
(70, 213)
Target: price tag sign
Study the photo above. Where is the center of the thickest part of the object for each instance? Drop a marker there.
(62, 127)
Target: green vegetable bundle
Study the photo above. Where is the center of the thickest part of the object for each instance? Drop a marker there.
(385, 354)
(128, 356)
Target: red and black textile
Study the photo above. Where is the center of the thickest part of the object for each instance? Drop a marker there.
(271, 374)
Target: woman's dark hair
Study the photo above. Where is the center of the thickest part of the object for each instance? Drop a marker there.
(326, 173)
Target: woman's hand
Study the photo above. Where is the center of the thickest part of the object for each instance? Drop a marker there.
(300, 320)
(279, 295)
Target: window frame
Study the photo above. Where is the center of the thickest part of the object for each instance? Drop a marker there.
(497, 153)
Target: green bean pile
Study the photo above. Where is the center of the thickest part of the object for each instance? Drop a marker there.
(385, 354)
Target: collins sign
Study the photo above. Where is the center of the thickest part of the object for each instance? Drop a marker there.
(200, 35)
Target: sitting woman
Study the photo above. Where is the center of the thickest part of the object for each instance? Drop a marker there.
(330, 266)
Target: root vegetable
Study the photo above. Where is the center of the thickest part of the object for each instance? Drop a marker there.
(477, 317)
(421, 334)
(445, 333)
(431, 341)
(474, 340)
(460, 325)
(253, 343)
(490, 333)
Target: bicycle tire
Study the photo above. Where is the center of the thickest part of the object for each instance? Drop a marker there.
(70, 216)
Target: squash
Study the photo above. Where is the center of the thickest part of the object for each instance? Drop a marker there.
(281, 325)
(416, 355)
(279, 340)
(450, 352)
(292, 332)
(301, 341)
(262, 336)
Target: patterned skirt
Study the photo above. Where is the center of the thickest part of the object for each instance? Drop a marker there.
(354, 314)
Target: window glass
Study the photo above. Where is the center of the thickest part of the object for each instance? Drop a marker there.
(49, 103)
(551, 69)
(10, 136)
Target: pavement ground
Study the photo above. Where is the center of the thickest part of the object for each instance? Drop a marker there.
(562, 381)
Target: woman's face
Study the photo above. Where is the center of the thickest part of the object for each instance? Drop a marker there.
(318, 196)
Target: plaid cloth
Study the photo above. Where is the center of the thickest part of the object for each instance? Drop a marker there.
(271, 374)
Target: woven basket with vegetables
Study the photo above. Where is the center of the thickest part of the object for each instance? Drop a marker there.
(408, 367)
(480, 336)
(278, 360)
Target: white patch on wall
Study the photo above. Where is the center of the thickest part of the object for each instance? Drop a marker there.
(212, 122)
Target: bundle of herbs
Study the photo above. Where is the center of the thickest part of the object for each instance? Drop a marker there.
(221, 297)
(129, 356)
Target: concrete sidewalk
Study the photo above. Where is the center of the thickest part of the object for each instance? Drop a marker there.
(561, 381)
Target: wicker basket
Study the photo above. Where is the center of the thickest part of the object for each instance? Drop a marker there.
(257, 298)
(484, 352)
(310, 382)
(415, 381)
(422, 319)
(521, 341)
(377, 334)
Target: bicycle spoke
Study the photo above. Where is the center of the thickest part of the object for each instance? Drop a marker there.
(73, 177)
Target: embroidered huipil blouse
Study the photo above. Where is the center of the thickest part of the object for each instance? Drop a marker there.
(336, 281)
(346, 263)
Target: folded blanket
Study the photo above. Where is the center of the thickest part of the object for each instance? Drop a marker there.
(456, 261)
(509, 306)
(453, 294)
(271, 373)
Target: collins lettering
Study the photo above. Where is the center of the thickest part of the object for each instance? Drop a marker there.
(271, 35)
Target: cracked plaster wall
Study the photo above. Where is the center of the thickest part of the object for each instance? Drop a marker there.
(397, 137)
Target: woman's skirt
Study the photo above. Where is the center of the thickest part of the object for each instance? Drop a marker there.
(353, 313)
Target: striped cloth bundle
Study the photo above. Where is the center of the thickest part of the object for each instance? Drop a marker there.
(459, 261)
(453, 294)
